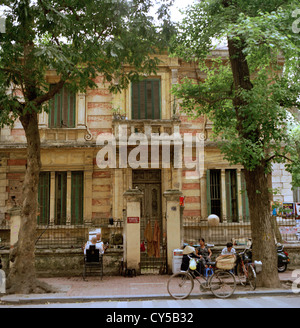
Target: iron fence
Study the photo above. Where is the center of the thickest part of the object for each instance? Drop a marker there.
(75, 236)
(196, 228)
(70, 236)
(237, 232)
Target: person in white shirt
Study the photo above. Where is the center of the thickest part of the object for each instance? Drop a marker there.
(99, 241)
(98, 245)
(228, 250)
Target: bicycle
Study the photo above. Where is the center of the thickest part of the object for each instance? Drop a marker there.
(221, 283)
(245, 270)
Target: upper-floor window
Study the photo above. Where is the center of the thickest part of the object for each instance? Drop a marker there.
(62, 109)
(146, 99)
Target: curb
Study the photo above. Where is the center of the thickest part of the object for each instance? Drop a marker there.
(54, 298)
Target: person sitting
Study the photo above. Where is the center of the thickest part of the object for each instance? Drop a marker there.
(228, 250)
(189, 252)
(205, 255)
(99, 241)
(97, 245)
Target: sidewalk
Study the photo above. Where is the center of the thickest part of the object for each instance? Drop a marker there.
(120, 288)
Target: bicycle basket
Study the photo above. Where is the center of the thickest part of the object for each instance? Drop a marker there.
(225, 262)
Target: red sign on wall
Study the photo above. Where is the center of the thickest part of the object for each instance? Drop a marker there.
(133, 220)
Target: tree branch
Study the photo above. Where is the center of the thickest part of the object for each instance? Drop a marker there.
(49, 95)
(283, 156)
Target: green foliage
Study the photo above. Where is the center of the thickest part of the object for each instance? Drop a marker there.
(250, 123)
(79, 40)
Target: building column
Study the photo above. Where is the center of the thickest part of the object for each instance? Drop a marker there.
(69, 200)
(88, 195)
(52, 198)
(223, 193)
(81, 108)
(203, 196)
(174, 226)
(132, 230)
(239, 190)
(15, 223)
(117, 193)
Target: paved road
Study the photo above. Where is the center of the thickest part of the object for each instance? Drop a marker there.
(292, 301)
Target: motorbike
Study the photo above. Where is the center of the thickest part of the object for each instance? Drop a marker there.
(283, 258)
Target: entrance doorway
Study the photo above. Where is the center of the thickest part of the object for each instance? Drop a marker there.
(153, 256)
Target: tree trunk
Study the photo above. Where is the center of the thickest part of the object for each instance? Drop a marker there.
(264, 248)
(22, 276)
(256, 180)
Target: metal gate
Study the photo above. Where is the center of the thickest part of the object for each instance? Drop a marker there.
(153, 253)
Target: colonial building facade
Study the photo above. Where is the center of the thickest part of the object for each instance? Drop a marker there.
(74, 190)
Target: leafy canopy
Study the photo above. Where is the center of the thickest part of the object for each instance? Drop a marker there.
(250, 122)
(79, 39)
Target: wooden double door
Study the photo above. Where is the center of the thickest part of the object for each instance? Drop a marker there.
(149, 181)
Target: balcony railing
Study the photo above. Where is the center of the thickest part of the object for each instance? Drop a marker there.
(147, 127)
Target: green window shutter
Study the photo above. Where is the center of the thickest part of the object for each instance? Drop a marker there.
(146, 99)
(63, 109)
(44, 198)
(208, 192)
(77, 198)
(60, 198)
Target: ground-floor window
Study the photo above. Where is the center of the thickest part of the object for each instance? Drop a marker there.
(66, 186)
(227, 195)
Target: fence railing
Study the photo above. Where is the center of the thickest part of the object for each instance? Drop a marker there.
(70, 236)
(236, 232)
(75, 236)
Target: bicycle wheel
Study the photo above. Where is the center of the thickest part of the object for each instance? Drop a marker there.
(222, 284)
(251, 276)
(241, 274)
(180, 285)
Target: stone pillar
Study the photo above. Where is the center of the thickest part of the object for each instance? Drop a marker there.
(173, 223)
(15, 222)
(240, 201)
(88, 196)
(69, 200)
(223, 193)
(52, 198)
(132, 231)
(203, 196)
(81, 108)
